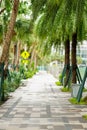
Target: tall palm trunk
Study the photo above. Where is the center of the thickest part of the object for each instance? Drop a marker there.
(9, 34)
(67, 55)
(18, 52)
(32, 57)
(35, 60)
(74, 60)
(15, 54)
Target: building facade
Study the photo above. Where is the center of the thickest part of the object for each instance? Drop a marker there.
(82, 51)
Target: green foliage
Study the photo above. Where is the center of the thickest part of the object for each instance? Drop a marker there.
(22, 69)
(8, 5)
(65, 89)
(74, 101)
(85, 117)
(61, 18)
(60, 76)
(79, 60)
(85, 98)
(10, 86)
(37, 7)
(57, 56)
(85, 90)
(58, 83)
(6, 84)
(48, 57)
(16, 77)
(22, 28)
(23, 7)
(29, 73)
(80, 18)
(45, 22)
(1, 33)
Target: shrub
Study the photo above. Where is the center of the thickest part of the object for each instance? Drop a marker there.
(10, 86)
(58, 83)
(74, 101)
(65, 89)
(85, 117)
(5, 85)
(28, 74)
(60, 77)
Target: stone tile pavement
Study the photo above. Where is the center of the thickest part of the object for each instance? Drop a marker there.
(40, 105)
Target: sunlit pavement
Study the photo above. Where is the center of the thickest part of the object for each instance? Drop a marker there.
(40, 105)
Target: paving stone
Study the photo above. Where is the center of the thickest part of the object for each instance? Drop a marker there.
(59, 128)
(40, 105)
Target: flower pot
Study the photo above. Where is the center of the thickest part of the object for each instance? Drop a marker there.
(74, 90)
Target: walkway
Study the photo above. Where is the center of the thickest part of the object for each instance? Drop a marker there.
(40, 105)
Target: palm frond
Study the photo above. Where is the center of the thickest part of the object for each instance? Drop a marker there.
(37, 7)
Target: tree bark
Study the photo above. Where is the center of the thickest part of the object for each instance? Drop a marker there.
(18, 52)
(9, 34)
(15, 54)
(35, 60)
(67, 55)
(32, 57)
(74, 60)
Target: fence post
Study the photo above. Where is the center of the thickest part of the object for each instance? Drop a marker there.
(1, 81)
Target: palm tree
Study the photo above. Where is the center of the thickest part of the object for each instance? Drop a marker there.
(78, 10)
(72, 18)
(22, 37)
(74, 59)
(49, 25)
(68, 18)
(67, 56)
(9, 33)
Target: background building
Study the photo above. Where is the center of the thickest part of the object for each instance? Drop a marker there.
(82, 51)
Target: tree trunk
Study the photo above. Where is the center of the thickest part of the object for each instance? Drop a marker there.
(67, 55)
(18, 53)
(35, 60)
(9, 34)
(32, 57)
(74, 60)
(15, 54)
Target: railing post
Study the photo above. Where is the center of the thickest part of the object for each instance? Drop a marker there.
(1, 81)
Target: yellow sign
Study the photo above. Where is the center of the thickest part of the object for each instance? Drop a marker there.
(25, 61)
(25, 54)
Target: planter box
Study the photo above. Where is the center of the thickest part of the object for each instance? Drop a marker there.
(74, 90)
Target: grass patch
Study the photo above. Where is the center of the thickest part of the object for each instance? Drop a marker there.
(85, 117)
(74, 101)
(2, 102)
(85, 90)
(58, 83)
(65, 89)
(85, 99)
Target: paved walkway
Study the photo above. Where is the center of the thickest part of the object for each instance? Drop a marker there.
(40, 105)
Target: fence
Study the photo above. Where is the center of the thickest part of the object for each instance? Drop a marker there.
(55, 70)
